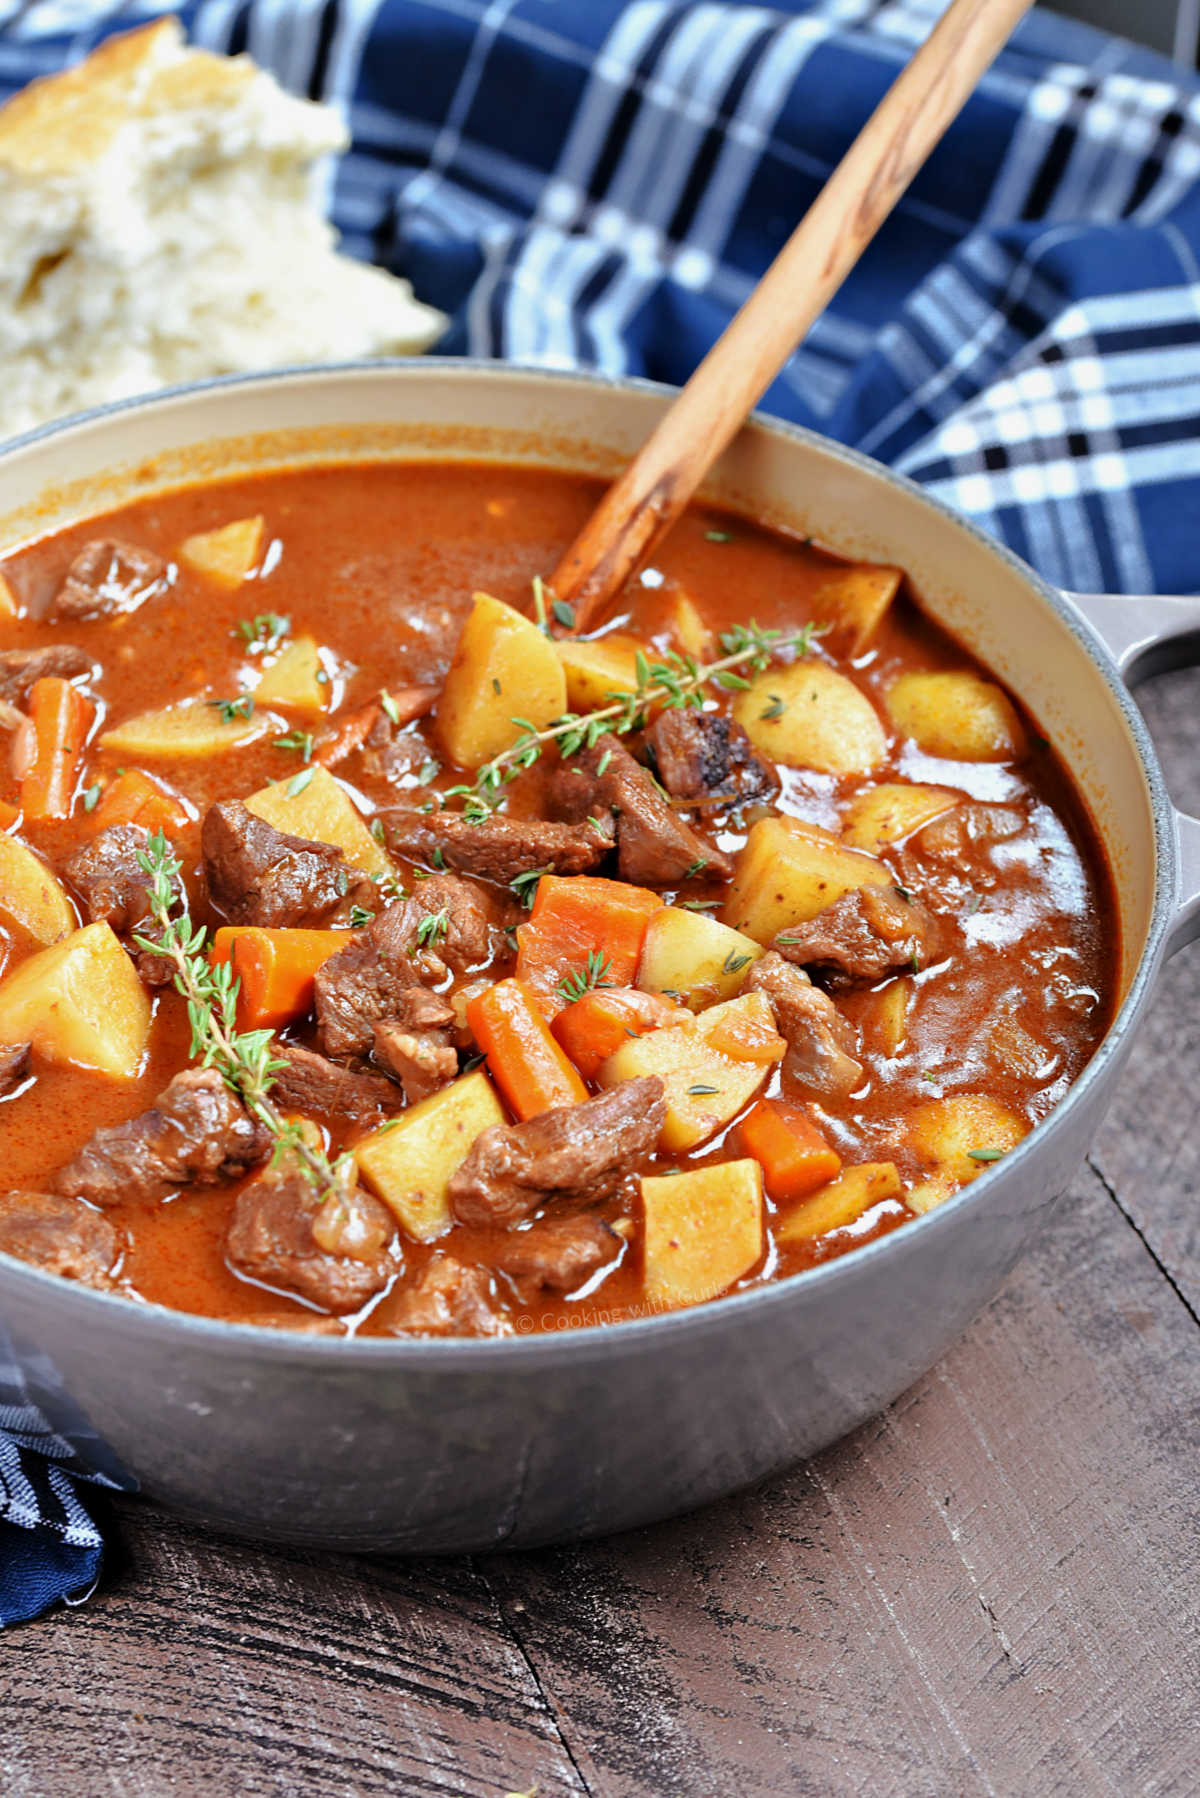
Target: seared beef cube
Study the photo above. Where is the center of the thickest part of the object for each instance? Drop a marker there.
(867, 933)
(19, 668)
(822, 1044)
(422, 1061)
(500, 848)
(582, 1152)
(61, 1236)
(107, 577)
(315, 1086)
(197, 1133)
(14, 1067)
(448, 1300)
(260, 875)
(655, 847)
(556, 1253)
(115, 890)
(475, 918)
(270, 1239)
(374, 980)
(704, 755)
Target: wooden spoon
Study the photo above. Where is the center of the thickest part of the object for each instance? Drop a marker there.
(910, 119)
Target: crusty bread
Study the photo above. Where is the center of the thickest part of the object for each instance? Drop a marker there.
(157, 225)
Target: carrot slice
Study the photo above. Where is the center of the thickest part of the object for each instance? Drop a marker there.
(745, 1037)
(275, 968)
(60, 717)
(523, 1058)
(577, 916)
(594, 1027)
(8, 814)
(133, 798)
(796, 1159)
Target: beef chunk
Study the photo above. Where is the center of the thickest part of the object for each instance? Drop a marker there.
(61, 1236)
(107, 577)
(115, 887)
(475, 917)
(374, 980)
(582, 1152)
(197, 1133)
(260, 875)
(556, 1253)
(14, 1067)
(655, 847)
(270, 1238)
(448, 1300)
(704, 755)
(313, 1085)
(500, 848)
(867, 933)
(822, 1044)
(19, 668)
(422, 1061)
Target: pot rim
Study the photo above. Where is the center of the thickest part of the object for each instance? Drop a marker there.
(627, 1335)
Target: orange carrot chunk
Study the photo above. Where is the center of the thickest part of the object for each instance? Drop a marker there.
(596, 1026)
(577, 916)
(796, 1159)
(523, 1058)
(8, 814)
(60, 718)
(275, 969)
(133, 798)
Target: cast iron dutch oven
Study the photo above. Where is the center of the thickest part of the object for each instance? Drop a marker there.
(461, 1445)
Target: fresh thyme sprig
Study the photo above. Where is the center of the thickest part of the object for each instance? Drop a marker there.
(676, 680)
(579, 981)
(242, 1057)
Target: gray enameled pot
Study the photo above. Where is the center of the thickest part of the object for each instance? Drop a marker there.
(461, 1445)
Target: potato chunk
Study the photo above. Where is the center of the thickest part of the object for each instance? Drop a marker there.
(958, 1138)
(410, 1162)
(8, 599)
(503, 668)
(852, 602)
(30, 896)
(958, 716)
(693, 957)
(687, 626)
(706, 1086)
(295, 680)
(892, 810)
(226, 556)
(702, 1230)
(311, 804)
(810, 716)
(594, 671)
(854, 1191)
(195, 727)
(79, 1003)
(788, 872)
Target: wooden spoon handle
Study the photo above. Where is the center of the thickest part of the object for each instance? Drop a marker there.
(880, 163)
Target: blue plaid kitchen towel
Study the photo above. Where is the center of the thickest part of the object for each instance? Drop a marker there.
(600, 183)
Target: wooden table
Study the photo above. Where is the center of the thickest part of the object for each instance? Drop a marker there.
(991, 1589)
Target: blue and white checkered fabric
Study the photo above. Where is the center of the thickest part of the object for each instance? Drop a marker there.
(600, 183)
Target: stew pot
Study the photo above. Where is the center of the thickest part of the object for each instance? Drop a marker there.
(464, 1445)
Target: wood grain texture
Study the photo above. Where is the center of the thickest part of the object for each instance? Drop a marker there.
(992, 1589)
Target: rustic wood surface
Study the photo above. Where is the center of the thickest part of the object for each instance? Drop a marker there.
(992, 1589)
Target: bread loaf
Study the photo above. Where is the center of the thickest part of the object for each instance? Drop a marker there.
(157, 225)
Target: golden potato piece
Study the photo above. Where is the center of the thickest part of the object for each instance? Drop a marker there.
(702, 1230)
(80, 1003)
(312, 804)
(410, 1162)
(854, 1191)
(226, 556)
(594, 671)
(295, 680)
(705, 1088)
(30, 896)
(8, 599)
(959, 716)
(196, 727)
(788, 872)
(688, 955)
(810, 716)
(890, 1017)
(892, 810)
(852, 602)
(687, 626)
(958, 1138)
(503, 668)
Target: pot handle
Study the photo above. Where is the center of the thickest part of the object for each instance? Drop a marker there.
(1147, 635)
